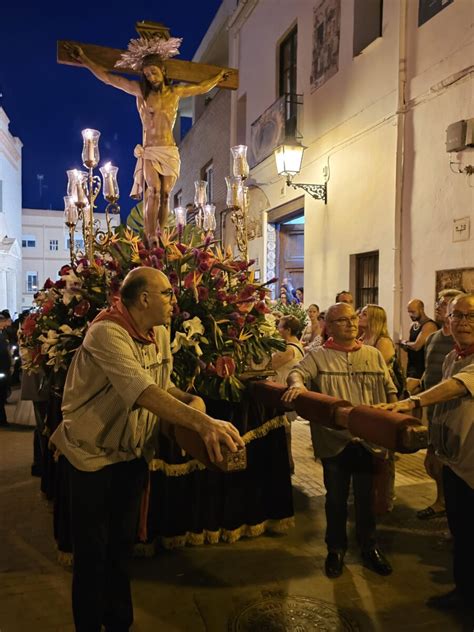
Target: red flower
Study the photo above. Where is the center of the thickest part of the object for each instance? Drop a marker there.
(188, 280)
(182, 248)
(262, 307)
(158, 252)
(173, 278)
(64, 270)
(48, 284)
(29, 324)
(203, 293)
(47, 307)
(225, 366)
(221, 295)
(203, 266)
(82, 308)
(211, 369)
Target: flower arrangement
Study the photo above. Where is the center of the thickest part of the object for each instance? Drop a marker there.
(64, 308)
(292, 309)
(222, 325)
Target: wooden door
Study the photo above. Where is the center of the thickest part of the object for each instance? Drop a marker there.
(291, 254)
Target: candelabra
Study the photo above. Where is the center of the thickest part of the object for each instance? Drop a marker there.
(237, 201)
(238, 197)
(83, 187)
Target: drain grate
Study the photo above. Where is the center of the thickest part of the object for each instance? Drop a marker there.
(292, 614)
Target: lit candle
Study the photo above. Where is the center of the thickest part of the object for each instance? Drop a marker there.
(79, 194)
(90, 151)
(200, 195)
(240, 165)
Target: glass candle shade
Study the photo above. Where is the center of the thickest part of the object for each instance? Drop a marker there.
(90, 148)
(109, 182)
(76, 182)
(240, 166)
(209, 219)
(200, 193)
(234, 191)
(70, 211)
(180, 215)
(199, 217)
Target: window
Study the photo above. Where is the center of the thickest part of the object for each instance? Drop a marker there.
(287, 78)
(367, 23)
(28, 241)
(207, 174)
(367, 278)
(31, 282)
(53, 245)
(78, 243)
(178, 198)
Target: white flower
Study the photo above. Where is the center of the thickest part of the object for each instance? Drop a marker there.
(193, 326)
(182, 340)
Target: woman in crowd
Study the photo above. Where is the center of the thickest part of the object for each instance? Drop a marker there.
(374, 332)
(284, 361)
(312, 334)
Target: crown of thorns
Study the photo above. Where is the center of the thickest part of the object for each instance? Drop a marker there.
(140, 48)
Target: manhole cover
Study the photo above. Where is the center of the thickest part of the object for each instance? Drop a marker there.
(292, 614)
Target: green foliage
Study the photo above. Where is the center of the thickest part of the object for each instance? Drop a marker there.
(293, 309)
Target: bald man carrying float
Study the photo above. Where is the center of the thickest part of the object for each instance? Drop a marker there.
(422, 328)
(117, 388)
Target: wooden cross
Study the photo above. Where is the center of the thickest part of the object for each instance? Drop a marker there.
(187, 71)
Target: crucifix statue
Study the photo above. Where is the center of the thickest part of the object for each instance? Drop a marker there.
(149, 56)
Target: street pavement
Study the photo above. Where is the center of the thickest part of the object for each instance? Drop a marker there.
(240, 587)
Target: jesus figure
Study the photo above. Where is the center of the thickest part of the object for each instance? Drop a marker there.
(158, 161)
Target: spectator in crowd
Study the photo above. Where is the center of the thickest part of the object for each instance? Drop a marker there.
(117, 387)
(5, 369)
(452, 440)
(311, 336)
(437, 346)
(344, 368)
(299, 294)
(285, 296)
(345, 297)
(421, 328)
(284, 361)
(373, 328)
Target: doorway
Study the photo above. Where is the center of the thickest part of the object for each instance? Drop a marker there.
(291, 251)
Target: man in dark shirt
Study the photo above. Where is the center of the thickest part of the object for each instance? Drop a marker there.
(422, 327)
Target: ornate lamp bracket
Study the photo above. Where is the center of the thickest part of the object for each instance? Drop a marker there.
(317, 191)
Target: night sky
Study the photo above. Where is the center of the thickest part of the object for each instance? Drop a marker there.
(49, 104)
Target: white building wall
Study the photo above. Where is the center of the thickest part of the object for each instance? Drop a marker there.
(10, 217)
(349, 125)
(44, 226)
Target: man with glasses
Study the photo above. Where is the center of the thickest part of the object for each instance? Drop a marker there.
(452, 439)
(437, 347)
(117, 389)
(342, 367)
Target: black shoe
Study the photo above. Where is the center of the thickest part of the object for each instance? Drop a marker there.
(376, 560)
(449, 601)
(333, 564)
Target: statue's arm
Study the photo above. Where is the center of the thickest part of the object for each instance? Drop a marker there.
(189, 90)
(127, 85)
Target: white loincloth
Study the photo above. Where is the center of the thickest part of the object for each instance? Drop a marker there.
(165, 160)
